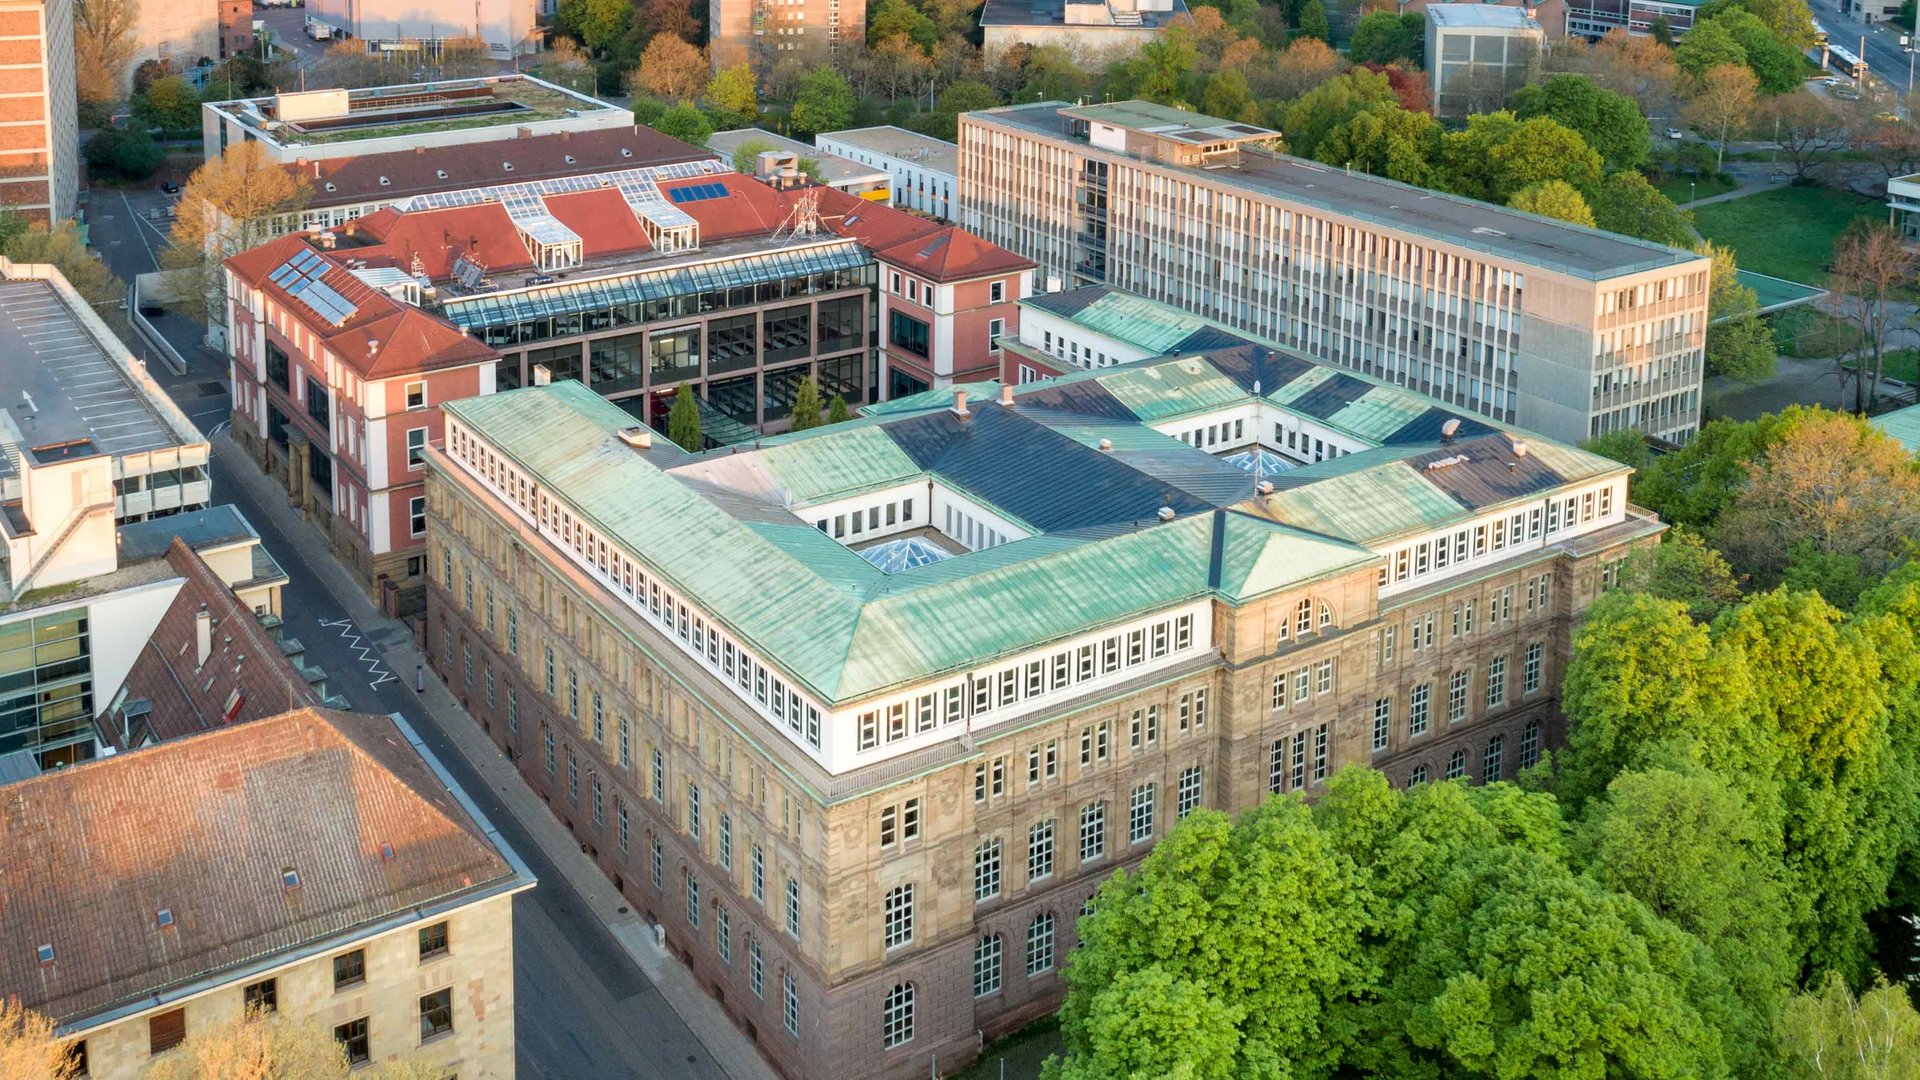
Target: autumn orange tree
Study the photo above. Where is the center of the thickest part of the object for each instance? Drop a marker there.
(1720, 102)
(230, 204)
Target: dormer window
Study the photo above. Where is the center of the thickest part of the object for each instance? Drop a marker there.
(331, 187)
(507, 165)
(624, 152)
(441, 173)
(384, 182)
(569, 159)
(289, 878)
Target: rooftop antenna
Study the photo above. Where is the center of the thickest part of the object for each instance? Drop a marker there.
(803, 221)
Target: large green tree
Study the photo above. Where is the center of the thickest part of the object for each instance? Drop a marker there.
(1626, 203)
(1385, 140)
(1554, 199)
(1498, 154)
(596, 24)
(1383, 37)
(683, 421)
(822, 101)
(1317, 112)
(1610, 123)
(1740, 344)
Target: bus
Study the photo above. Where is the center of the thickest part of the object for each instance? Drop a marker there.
(1846, 63)
(1819, 35)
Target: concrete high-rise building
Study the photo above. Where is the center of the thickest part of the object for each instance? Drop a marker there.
(1479, 55)
(40, 153)
(862, 716)
(1564, 330)
(761, 32)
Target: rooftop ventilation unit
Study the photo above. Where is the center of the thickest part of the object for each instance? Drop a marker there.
(1166, 513)
(639, 436)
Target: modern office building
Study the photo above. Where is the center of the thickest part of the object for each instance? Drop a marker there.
(509, 27)
(1593, 18)
(833, 170)
(921, 169)
(1479, 54)
(1563, 330)
(763, 32)
(40, 159)
(317, 865)
(161, 629)
(317, 125)
(864, 715)
(1092, 30)
(640, 282)
(88, 439)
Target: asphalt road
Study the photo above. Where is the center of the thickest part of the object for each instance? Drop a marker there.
(1885, 59)
(583, 1009)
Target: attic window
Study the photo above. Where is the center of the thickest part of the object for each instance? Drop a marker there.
(569, 159)
(163, 918)
(290, 878)
(624, 152)
(46, 954)
(331, 187)
(386, 850)
(441, 173)
(507, 165)
(384, 182)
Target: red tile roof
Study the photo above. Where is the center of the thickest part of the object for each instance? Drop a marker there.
(469, 165)
(204, 827)
(384, 337)
(602, 219)
(439, 237)
(246, 676)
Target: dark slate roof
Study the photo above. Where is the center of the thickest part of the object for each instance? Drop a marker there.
(1071, 302)
(1248, 365)
(1208, 337)
(1485, 472)
(1426, 428)
(1330, 396)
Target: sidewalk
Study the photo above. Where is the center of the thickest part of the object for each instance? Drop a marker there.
(728, 1046)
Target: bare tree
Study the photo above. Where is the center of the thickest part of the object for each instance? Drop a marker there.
(103, 44)
(1892, 145)
(1873, 273)
(27, 1047)
(1805, 129)
(1721, 102)
(671, 69)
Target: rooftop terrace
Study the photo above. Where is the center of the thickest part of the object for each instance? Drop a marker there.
(319, 118)
(1523, 238)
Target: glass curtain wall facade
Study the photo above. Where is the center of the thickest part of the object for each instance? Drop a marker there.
(46, 687)
(743, 332)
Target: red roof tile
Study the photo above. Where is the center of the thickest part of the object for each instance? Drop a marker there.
(439, 237)
(246, 676)
(603, 220)
(953, 254)
(204, 827)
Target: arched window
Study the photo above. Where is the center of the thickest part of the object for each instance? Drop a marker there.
(1303, 618)
(986, 965)
(1326, 615)
(1040, 943)
(1417, 776)
(1456, 764)
(896, 1016)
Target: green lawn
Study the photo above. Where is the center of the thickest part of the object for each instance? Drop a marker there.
(1787, 232)
(1682, 188)
(1902, 364)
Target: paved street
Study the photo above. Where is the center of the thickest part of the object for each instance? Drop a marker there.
(1885, 59)
(585, 1008)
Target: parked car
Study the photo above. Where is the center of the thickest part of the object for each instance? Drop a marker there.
(170, 187)
(1887, 117)
(1676, 133)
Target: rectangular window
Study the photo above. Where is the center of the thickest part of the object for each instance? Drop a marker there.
(433, 941)
(987, 860)
(261, 997)
(1530, 673)
(1418, 709)
(349, 969)
(986, 966)
(436, 1014)
(1323, 677)
(417, 522)
(759, 876)
(1382, 723)
(1040, 851)
(1457, 688)
(352, 1037)
(1093, 832)
(1496, 682)
(897, 917)
(756, 968)
(907, 333)
(790, 1004)
(1140, 814)
(416, 448)
(1320, 753)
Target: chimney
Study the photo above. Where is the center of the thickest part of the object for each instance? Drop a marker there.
(419, 150)
(542, 375)
(960, 403)
(1006, 394)
(639, 436)
(1266, 487)
(1519, 448)
(1166, 513)
(202, 636)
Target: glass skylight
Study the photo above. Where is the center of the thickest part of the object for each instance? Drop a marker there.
(1261, 463)
(904, 554)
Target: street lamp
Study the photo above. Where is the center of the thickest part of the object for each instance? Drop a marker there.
(1691, 186)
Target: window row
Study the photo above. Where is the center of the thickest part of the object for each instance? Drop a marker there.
(1554, 516)
(984, 692)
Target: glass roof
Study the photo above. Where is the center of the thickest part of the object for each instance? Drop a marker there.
(566, 298)
(1261, 463)
(904, 554)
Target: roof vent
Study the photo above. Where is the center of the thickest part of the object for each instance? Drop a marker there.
(384, 182)
(507, 165)
(960, 403)
(1447, 462)
(1266, 487)
(331, 186)
(1519, 448)
(1449, 429)
(542, 375)
(639, 436)
(163, 918)
(570, 160)
(1166, 513)
(46, 954)
(1106, 444)
(441, 173)
(625, 152)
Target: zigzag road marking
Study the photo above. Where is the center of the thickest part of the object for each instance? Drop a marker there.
(349, 633)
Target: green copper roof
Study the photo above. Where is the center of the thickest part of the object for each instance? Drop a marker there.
(1378, 413)
(1163, 391)
(1903, 425)
(1370, 504)
(1260, 556)
(1139, 321)
(838, 463)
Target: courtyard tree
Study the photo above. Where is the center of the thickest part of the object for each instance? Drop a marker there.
(229, 205)
(1720, 103)
(683, 421)
(1870, 284)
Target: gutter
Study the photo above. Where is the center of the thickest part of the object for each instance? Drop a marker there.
(521, 880)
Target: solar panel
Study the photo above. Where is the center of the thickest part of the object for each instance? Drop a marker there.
(300, 277)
